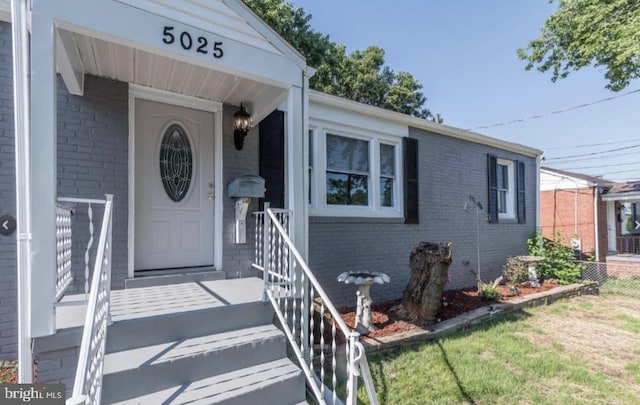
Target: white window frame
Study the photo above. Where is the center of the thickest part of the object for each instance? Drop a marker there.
(511, 191)
(319, 206)
(313, 166)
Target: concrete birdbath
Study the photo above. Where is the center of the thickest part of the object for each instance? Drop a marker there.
(364, 281)
(531, 262)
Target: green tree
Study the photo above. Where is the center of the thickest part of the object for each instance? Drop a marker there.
(581, 33)
(361, 76)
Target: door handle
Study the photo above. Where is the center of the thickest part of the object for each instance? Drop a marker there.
(211, 196)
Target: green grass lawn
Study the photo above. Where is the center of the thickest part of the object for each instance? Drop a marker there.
(583, 350)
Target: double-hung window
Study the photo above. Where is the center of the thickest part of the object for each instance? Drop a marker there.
(348, 171)
(506, 196)
(354, 173)
(506, 190)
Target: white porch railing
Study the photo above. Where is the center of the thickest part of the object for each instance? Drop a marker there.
(87, 387)
(628, 244)
(89, 202)
(63, 250)
(328, 352)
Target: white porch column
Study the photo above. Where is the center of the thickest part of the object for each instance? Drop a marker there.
(43, 173)
(296, 193)
(611, 225)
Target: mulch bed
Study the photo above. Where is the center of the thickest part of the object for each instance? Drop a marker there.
(454, 303)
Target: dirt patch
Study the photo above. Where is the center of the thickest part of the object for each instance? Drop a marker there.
(590, 334)
(454, 303)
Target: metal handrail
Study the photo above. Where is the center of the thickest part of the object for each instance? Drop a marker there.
(357, 362)
(87, 386)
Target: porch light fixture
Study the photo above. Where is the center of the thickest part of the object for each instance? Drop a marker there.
(241, 126)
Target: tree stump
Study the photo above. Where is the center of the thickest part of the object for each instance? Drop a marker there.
(429, 273)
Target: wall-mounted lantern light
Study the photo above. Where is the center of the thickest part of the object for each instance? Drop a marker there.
(241, 126)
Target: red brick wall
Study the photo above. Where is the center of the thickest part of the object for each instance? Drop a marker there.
(623, 268)
(557, 209)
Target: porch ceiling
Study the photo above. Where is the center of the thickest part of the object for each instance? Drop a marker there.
(111, 60)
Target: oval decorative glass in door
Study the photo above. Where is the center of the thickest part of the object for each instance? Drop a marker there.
(176, 162)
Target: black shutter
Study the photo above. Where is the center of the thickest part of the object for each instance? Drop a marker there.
(492, 174)
(272, 158)
(520, 190)
(411, 199)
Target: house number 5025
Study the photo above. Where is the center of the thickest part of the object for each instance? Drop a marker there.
(190, 42)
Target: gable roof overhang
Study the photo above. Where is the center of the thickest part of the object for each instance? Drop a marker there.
(169, 45)
(554, 179)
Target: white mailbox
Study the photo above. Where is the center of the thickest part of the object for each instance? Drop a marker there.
(247, 186)
(243, 189)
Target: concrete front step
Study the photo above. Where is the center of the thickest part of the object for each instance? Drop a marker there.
(152, 330)
(277, 382)
(203, 341)
(141, 371)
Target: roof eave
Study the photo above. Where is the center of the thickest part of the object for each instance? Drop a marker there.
(621, 196)
(420, 123)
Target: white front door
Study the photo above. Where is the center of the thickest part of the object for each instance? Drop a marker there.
(174, 185)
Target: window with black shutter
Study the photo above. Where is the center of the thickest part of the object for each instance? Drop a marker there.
(492, 174)
(411, 198)
(506, 190)
(521, 196)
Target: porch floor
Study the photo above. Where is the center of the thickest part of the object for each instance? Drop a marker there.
(152, 301)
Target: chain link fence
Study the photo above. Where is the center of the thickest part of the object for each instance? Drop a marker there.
(614, 277)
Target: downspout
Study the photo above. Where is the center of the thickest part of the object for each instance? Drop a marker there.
(538, 166)
(595, 222)
(20, 42)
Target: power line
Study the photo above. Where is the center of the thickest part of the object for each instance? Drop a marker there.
(533, 117)
(570, 161)
(595, 153)
(588, 145)
(600, 166)
(621, 171)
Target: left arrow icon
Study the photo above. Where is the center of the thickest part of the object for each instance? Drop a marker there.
(7, 225)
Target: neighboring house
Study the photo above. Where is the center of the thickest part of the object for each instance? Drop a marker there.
(623, 216)
(572, 204)
(143, 107)
(580, 207)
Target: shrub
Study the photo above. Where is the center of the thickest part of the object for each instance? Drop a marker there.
(515, 271)
(558, 261)
(8, 372)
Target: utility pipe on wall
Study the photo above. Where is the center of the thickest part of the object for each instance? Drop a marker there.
(20, 42)
(538, 167)
(596, 236)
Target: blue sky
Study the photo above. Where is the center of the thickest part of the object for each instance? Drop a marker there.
(464, 54)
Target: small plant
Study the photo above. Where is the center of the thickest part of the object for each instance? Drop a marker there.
(490, 291)
(515, 271)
